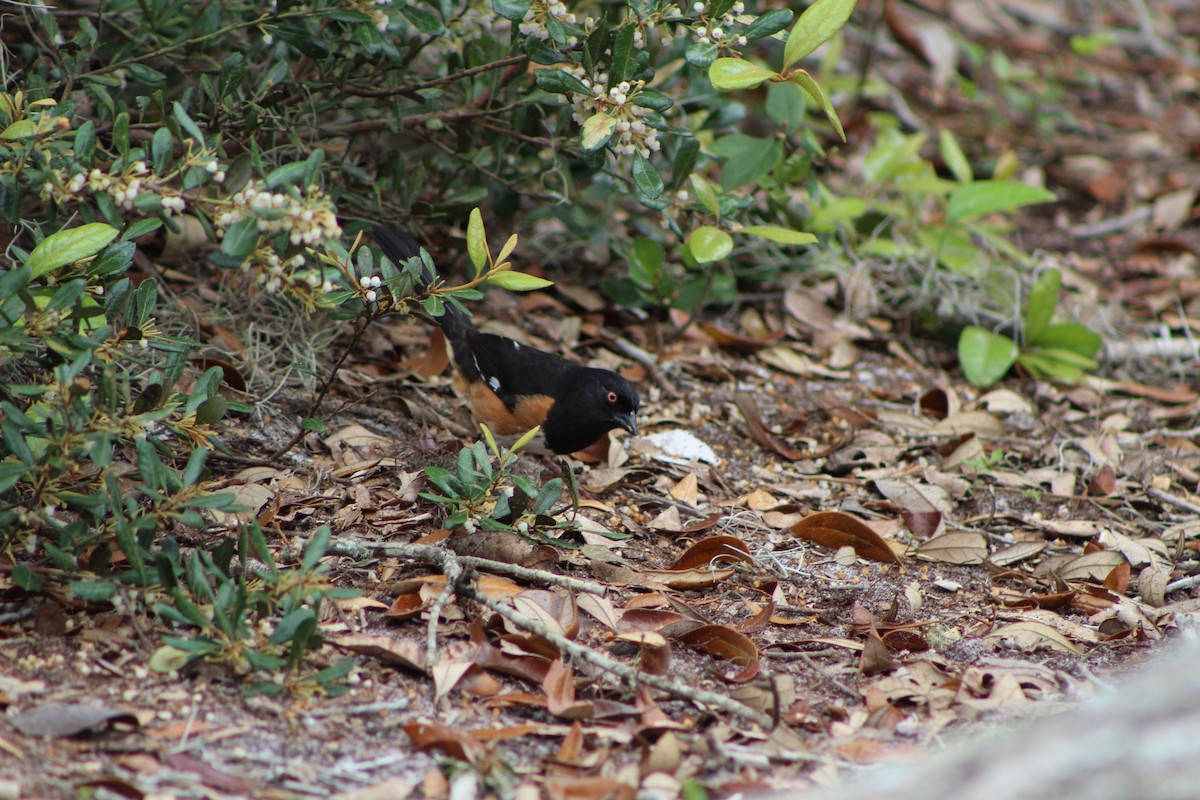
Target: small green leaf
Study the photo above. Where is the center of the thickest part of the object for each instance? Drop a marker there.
(684, 162)
(186, 122)
(986, 197)
(70, 245)
(1039, 308)
(477, 246)
(1070, 336)
(646, 178)
(147, 74)
(170, 659)
(706, 194)
(425, 21)
(514, 10)
(518, 281)
(731, 74)
(747, 158)
(622, 55)
(596, 132)
(816, 25)
(710, 244)
(162, 147)
(985, 357)
(241, 238)
(953, 156)
(781, 235)
(768, 24)
(805, 81)
(1046, 364)
(21, 129)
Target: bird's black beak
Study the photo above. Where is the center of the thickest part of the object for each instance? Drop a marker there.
(628, 422)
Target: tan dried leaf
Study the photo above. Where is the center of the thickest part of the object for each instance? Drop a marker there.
(956, 547)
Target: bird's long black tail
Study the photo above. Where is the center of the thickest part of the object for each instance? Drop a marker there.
(454, 322)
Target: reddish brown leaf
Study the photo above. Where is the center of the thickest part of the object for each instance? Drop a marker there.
(1103, 483)
(1118, 580)
(646, 619)
(559, 686)
(712, 550)
(433, 361)
(723, 642)
(736, 341)
(454, 742)
(654, 652)
(875, 656)
(836, 529)
(406, 653)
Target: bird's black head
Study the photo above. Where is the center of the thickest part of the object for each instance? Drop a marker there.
(596, 402)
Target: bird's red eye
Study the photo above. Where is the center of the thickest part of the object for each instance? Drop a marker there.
(612, 397)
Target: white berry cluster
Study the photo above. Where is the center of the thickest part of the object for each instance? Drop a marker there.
(716, 31)
(306, 218)
(123, 187)
(536, 20)
(631, 134)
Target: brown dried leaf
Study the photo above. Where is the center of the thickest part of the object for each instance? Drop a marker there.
(654, 652)
(712, 550)
(736, 341)
(407, 653)
(1093, 567)
(1031, 635)
(956, 547)
(559, 686)
(875, 656)
(836, 529)
(980, 423)
(1015, 553)
(726, 643)
(57, 720)
(456, 743)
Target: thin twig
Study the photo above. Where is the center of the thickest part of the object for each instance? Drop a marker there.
(416, 87)
(676, 688)
(437, 556)
(1172, 500)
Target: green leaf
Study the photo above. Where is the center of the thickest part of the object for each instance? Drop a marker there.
(241, 238)
(147, 74)
(985, 356)
(706, 195)
(700, 54)
(70, 245)
(94, 591)
(805, 81)
(85, 142)
(1070, 336)
(514, 10)
(987, 197)
(518, 281)
(622, 55)
(477, 246)
(655, 101)
(1039, 308)
(731, 74)
(556, 81)
(1046, 364)
(162, 147)
(646, 258)
(747, 158)
(21, 129)
(781, 235)
(233, 69)
(816, 25)
(425, 21)
(316, 548)
(710, 244)
(596, 132)
(646, 178)
(186, 122)
(953, 156)
(768, 24)
(170, 659)
(684, 162)
(287, 175)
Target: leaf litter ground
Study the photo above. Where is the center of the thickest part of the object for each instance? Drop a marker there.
(975, 553)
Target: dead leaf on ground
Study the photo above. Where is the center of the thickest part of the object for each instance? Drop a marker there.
(836, 529)
(758, 431)
(57, 720)
(1029, 636)
(956, 547)
(397, 652)
(454, 742)
(713, 550)
(724, 642)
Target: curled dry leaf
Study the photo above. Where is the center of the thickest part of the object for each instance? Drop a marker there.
(1016, 553)
(600, 609)
(654, 652)
(980, 423)
(875, 657)
(407, 653)
(1152, 584)
(836, 529)
(726, 643)
(647, 619)
(1093, 567)
(736, 341)
(559, 686)
(454, 742)
(1031, 635)
(956, 547)
(712, 550)
(55, 720)
(1016, 599)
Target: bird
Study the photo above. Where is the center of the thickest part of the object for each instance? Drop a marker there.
(512, 387)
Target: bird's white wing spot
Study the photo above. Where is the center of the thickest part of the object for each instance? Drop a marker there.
(516, 344)
(494, 382)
